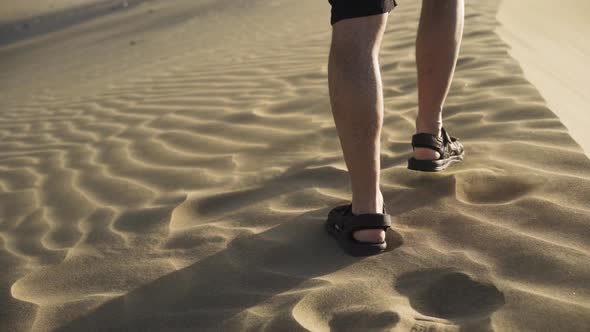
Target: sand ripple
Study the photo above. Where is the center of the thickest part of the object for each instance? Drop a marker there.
(181, 182)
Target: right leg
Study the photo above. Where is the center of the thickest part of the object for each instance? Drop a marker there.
(437, 49)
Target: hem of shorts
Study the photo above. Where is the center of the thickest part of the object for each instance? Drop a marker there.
(380, 7)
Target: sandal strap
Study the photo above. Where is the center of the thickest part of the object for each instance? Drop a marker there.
(452, 143)
(353, 223)
(429, 141)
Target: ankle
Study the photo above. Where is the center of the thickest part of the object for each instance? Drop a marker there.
(372, 205)
(436, 131)
(429, 127)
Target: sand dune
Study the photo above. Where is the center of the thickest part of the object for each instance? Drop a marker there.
(553, 54)
(169, 167)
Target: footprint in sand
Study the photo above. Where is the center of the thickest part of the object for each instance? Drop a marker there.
(452, 296)
(478, 187)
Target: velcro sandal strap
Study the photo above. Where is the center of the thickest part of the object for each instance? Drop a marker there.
(429, 141)
(454, 146)
(366, 221)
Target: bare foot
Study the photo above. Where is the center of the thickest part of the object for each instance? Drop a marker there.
(426, 154)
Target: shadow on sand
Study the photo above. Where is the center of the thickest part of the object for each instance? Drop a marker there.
(251, 270)
(257, 267)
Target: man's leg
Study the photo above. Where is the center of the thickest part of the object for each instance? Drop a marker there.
(356, 97)
(437, 49)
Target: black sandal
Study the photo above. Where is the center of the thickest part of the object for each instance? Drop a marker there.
(341, 224)
(450, 149)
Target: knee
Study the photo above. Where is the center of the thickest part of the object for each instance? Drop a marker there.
(359, 35)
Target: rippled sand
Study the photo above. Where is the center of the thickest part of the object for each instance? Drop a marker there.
(170, 166)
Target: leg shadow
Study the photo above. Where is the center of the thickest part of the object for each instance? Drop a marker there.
(419, 189)
(204, 295)
(452, 295)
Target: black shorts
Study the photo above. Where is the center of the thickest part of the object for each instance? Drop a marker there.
(342, 9)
